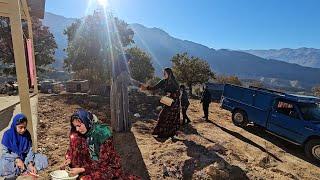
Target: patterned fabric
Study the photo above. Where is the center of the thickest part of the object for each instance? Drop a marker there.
(97, 133)
(84, 116)
(107, 167)
(169, 119)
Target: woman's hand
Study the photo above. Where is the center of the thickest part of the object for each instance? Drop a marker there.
(20, 164)
(66, 163)
(76, 171)
(32, 169)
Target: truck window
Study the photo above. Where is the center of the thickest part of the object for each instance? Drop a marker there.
(287, 109)
(310, 112)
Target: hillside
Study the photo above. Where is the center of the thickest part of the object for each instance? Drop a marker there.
(309, 57)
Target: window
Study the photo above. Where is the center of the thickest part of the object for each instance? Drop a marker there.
(310, 112)
(287, 108)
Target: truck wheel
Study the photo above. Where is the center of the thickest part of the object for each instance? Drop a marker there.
(312, 150)
(239, 118)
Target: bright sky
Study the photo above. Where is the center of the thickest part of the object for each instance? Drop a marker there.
(231, 24)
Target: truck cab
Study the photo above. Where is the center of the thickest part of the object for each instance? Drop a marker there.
(294, 118)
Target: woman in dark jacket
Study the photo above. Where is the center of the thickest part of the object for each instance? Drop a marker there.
(169, 117)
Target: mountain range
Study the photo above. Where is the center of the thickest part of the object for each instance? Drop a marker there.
(273, 71)
(309, 57)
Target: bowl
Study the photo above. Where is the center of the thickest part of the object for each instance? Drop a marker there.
(62, 175)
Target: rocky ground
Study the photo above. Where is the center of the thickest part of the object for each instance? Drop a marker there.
(202, 150)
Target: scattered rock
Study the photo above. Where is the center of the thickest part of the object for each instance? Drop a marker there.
(217, 148)
(216, 174)
(219, 165)
(266, 162)
(172, 170)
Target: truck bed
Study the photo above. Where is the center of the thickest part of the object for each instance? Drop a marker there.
(256, 103)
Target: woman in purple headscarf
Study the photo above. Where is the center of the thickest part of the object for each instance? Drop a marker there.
(17, 156)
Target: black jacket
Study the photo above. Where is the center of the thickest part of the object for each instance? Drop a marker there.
(184, 99)
(206, 97)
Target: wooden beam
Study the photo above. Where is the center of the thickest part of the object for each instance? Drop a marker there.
(20, 62)
(4, 14)
(6, 9)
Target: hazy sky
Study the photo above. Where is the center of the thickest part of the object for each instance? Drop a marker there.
(231, 24)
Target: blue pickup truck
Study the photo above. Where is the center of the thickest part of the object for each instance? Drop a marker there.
(294, 118)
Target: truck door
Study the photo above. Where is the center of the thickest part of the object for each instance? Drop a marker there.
(285, 120)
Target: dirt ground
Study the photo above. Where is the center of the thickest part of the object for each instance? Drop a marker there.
(202, 150)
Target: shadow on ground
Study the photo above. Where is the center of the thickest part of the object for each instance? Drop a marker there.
(131, 158)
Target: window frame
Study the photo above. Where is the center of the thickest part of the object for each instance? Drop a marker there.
(295, 107)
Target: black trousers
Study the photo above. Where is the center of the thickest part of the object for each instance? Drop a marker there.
(205, 107)
(185, 117)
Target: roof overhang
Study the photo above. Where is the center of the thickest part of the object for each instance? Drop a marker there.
(37, 8)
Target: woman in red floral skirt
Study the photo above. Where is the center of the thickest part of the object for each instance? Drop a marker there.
(91, 153)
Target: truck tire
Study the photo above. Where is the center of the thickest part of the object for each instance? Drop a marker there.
(239, 118)
(312, 150)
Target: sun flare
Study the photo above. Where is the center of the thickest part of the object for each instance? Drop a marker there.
(103, 3)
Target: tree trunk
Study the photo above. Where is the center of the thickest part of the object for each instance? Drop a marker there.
(119, 104)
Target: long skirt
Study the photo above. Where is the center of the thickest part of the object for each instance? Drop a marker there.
(168, 120)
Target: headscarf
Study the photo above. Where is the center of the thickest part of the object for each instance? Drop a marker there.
(96, 134)
(171, 81)
(16, 143)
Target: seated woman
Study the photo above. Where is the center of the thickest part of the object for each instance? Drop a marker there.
(91, 153)
(17, 156)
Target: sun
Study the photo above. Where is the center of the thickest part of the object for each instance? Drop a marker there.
(103, 3)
